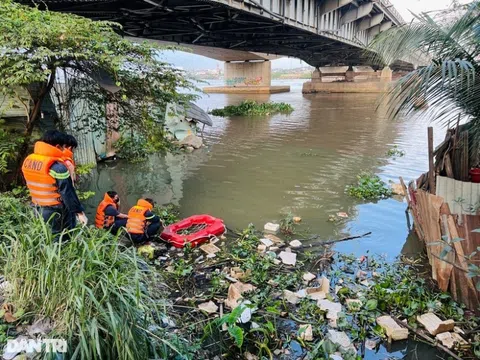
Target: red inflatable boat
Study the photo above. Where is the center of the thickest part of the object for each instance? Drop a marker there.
(207, 226)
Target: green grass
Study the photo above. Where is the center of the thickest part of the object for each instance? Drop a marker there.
(90, 287)
(253, 108)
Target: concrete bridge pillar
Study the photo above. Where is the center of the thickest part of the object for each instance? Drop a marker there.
(350, 74)
(386, 74)
(248, 77)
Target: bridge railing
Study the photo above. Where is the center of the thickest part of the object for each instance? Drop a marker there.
(390, 8)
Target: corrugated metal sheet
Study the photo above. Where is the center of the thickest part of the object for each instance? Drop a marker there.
(462, 197)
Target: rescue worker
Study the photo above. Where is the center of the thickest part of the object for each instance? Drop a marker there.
(108, 217)
(70, 145)
(51, 188)
(142, 223)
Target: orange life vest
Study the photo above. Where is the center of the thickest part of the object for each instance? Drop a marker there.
(137, 221)
(36, 170)
(103, 221)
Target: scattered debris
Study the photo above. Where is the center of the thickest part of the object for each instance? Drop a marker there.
(261, 248)
(392, 329)
(266, 242)
(271, 228)
(192, 140)
(397, 189)
(209, 249)
(371, 344)
(42, 327)
(250, 356)
(308, 276)
(324, 284)
(297, 219)
(209, 307)
(246, 314)
(452, 340)
(238, 274)
(341, 339)
(361, 275)
(434, 325)
(288, 258)
(291, 297)
(331, 308)
(235, 292)
(306, 332)
(295, 244)
(342, 214)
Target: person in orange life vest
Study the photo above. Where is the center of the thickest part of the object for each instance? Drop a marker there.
(142, 223)
(48, 180)
(70, 145)
(108, 217)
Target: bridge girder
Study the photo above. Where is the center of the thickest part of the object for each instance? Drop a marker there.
(242, 25)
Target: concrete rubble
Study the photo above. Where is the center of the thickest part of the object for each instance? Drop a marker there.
(271, 228)
(288, 258)
(392, 329)
(434, 325)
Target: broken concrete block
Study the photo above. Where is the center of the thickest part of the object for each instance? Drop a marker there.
(209, 248)
(290, 297)
(392, 329)
(397, 189)
(261, 248)
(330, 307)
(324, 284)
(306, 332)
(288, 258)
(297, 219)
(341, 339)
(266, 242)
(192, 140)
(313, 293)
(208, 307)
(451, 340)
(271, 228)
(434, 325)
(276, 262)
(295, 244)
(308, 276)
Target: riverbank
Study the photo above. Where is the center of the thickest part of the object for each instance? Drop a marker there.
(257, 295)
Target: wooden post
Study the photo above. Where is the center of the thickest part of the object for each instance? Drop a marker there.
(431, 168)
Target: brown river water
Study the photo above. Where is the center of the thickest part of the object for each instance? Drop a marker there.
(255, 170)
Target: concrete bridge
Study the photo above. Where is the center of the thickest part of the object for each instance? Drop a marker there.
(320, 32)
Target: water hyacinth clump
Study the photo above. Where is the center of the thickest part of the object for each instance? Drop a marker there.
(253, 108)
(369, 187)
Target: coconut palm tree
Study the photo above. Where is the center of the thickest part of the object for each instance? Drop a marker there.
(447, 48)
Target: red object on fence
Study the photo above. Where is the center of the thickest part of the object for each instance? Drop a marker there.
(475, 174)
(214, 227)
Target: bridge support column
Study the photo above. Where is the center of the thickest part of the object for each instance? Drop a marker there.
(352, 79)
(386, 74)
(248, 77)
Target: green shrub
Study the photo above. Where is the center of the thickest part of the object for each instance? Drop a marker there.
(369, 187)
(90, 288)
(252, 108)
(133, 148)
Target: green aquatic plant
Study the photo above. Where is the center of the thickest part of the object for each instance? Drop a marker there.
(395, 152)
(287, 224)
(253, 108)
(369, 187)
(85, 195)
(85, 169)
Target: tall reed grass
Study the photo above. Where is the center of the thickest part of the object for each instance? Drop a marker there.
(90, 287)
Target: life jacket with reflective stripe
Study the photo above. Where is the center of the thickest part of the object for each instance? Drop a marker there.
(103, 221)
(137, 222)
(36, 170)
